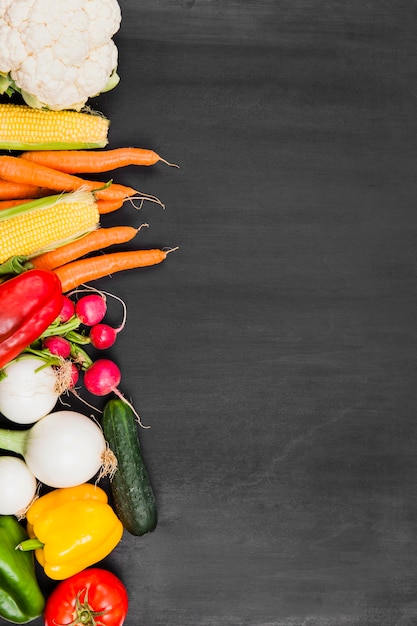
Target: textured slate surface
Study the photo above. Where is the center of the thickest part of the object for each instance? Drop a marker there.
(273, 354)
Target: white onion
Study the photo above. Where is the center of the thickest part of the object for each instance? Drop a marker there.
(26, 395)
(17, 485)
(64, 449)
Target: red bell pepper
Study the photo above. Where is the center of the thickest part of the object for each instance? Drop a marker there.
(29, 303)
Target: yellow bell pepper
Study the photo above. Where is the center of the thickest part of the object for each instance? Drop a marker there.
(75, 527)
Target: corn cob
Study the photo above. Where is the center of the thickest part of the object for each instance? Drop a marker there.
(25, 128)
(46, 223)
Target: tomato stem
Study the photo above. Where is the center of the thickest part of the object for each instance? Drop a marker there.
(85, 617)
(84, 613)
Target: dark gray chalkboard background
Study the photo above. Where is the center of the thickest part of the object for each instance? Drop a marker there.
(274, 354)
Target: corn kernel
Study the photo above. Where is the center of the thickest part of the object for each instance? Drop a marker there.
(25, 128)
(45, 227)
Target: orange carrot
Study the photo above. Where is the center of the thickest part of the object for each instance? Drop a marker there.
(10, 190)
(89, 161)
(95, 240)
(76, 273)
(108, 206)
(104, 206)
(6, 204)
(17, 170)
(111, 193)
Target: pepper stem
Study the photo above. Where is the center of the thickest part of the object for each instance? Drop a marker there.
(29, 544)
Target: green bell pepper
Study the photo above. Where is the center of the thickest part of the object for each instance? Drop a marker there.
(21, 599)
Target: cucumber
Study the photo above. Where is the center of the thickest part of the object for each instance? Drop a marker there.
(133, 497)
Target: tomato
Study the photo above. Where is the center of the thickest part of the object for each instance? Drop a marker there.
(91, 597)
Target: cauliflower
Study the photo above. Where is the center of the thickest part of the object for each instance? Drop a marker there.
(57, 55)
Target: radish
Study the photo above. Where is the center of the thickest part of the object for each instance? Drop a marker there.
(59, 346)
(28, 390)
(102, 336)
(102, 377)
(73, 376)
(91, 309)
(67, 311)
(17, 486)
(63, 449)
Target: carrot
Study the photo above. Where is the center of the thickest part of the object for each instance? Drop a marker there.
(17, 170)
(112, 193)
(10, 190)
(89, 161)
(108, 206)
(104, 206)
(6, 204)
(113, 197)
(97, 239)
(76, 273)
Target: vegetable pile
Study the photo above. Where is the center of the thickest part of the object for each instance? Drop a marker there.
(71, 483)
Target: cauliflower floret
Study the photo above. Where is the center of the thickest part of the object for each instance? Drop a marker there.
(12, 49)
(98, 65)
(103, 14)
(58, 55)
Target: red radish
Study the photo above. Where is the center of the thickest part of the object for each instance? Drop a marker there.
(58, 346)
(102, 336)
(74, 375)
(67, 310)
(102, 377)
(91, 309)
